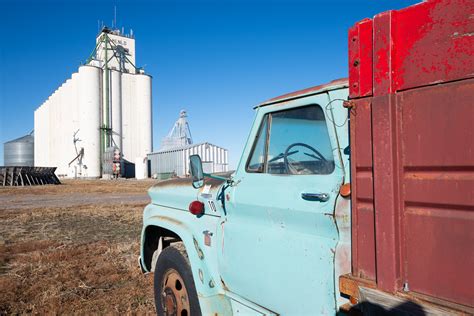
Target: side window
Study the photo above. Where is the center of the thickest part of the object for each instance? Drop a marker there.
(298, 143)
(257, 157)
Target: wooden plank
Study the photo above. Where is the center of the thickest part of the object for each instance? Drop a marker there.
(374, 302)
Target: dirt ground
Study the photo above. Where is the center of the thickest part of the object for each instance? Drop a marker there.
(73, 248)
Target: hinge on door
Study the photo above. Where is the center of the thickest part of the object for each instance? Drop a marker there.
(348, 104)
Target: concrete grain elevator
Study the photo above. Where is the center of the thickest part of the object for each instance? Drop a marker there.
(99, 118)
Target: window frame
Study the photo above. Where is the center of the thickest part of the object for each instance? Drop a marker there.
(268, 117)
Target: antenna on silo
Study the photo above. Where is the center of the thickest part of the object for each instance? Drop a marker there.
(115, 17)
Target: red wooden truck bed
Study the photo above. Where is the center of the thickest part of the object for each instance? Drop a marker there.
(411, 75)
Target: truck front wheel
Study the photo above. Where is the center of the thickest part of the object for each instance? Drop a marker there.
(175, 292)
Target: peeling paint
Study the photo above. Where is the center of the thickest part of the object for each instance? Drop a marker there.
(198, 249)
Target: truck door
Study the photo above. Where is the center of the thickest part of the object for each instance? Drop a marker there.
(279, 236)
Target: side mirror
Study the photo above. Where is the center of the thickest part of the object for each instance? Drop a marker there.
(195, 166)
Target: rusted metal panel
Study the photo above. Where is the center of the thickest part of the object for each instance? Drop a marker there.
(437, 157)
(360, 59)
(437, 48)
(412, 154)
(383, 51)
(363, 225)
(424, 44)
(441, 117)
(439, 45)
(386, 189)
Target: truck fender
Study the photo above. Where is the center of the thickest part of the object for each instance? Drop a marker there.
(162, 231)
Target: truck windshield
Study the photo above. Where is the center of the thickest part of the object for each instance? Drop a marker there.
(294, 141)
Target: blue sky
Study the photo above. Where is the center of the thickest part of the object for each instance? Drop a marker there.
(216, 59)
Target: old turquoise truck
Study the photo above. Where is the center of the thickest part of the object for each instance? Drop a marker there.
(355, 196)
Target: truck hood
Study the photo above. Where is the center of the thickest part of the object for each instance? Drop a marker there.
(178, 193)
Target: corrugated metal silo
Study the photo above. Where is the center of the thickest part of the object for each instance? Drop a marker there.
(175, 161)
(19, 152)
(89, 113)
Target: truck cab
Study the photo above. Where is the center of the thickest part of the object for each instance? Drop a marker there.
(274, 236)
(311, 223)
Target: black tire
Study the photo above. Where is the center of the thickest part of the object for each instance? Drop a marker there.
(174, 261)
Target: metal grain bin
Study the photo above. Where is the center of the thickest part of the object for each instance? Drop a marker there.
(19, 152)
(175, 162)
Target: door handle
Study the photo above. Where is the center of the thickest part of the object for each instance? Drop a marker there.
(321, 197)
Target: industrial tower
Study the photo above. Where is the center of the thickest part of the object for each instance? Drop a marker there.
(104, 107)
(179, 135)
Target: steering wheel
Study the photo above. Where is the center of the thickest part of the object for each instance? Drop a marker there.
(317, 155)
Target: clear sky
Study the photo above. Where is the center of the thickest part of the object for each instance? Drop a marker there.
(216, 59)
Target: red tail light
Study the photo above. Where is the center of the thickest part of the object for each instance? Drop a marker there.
(196, 208)
(345, 190)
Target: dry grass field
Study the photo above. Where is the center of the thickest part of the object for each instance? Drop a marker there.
(73, 248)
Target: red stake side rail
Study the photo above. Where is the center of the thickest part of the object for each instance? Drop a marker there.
(411, 76)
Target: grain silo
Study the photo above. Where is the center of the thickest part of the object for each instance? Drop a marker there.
(103, 108)
(19, 152)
